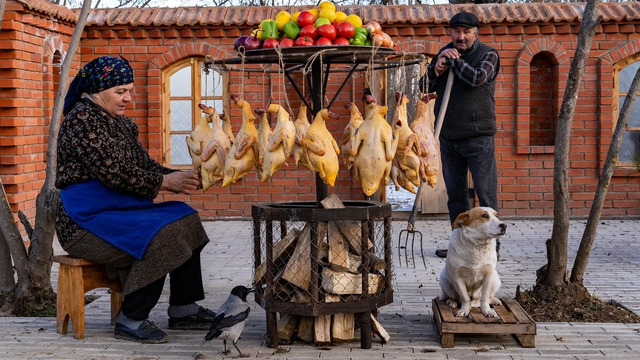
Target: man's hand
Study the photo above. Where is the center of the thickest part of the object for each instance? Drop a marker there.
(442, 63)
(180, 182)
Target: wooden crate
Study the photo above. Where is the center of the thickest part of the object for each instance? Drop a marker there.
(512, 320)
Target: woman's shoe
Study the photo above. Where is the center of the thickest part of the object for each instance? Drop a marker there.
(147, 333)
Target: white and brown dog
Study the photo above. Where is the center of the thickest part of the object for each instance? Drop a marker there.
(469, 276)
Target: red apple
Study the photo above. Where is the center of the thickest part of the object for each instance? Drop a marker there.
(304, 41)
(270, 43)
(327, 31)
(339, 41)
(305, 18)
(286, 42)
(309, 31)
(323, 41)
(346, 30)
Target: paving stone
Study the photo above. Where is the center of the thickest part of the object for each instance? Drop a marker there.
(613, 273)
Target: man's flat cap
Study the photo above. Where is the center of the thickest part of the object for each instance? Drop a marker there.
(465, 19)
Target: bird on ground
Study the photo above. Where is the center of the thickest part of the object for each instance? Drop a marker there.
(229, 322)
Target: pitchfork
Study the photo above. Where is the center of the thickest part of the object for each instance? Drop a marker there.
(409, 231)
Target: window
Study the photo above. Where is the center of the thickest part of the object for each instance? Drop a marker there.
(543, 109)
(185, 86)
(630, 149)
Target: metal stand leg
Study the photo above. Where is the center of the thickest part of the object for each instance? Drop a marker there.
(272, 330)
(365, 330)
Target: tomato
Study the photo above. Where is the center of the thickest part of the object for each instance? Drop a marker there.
(321, 21)
(309, 31)
(339, 41)
(305, 18)
(286, 42)
(304, 41)
(327, 31)
(323, 41)
(270, 43)
(346, 30)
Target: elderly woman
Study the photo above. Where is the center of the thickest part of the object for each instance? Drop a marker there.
(106, 212)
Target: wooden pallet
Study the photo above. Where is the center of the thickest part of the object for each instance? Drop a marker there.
(512, 320)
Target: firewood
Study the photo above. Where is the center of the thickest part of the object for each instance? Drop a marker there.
(298, 268)
(379, 330)
(350, 229)
(281, 251)
(344, 283)
(305, 329)
(343, 326)
(322, 330)
(339, 259)
(375, 263)
(287, 326)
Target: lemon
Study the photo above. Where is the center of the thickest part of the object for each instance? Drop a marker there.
(340, 16)
(282, 18)
(327, 5)
(315, 13)
(327, 14)
(294, 17)
(355, 20)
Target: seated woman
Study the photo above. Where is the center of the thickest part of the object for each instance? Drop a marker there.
(106, 212)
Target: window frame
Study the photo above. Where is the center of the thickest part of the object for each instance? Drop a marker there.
(196, 97)
(617, 68)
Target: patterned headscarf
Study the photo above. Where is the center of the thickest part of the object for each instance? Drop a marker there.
(100, 74)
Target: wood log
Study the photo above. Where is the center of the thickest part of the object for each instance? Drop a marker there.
(298, 268)
(322, 330)
(344, 283)
(343, 325)
(287, 328)
(305, 329)
(305, 326)
(379, 330)
(281, 253)
(375, 263)
(338, 257)
(350, 229)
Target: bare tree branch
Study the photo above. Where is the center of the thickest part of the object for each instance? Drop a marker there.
(589, 235)
(558, 244)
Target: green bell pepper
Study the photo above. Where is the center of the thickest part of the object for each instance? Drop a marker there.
(361, 31)
(291, 30)
(270, 29)
(358, 39)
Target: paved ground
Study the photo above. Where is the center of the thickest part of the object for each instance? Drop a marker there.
(614, 272)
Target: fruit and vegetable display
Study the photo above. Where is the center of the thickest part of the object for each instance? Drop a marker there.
(321, 26)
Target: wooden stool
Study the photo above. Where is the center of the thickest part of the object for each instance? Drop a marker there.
(512, 320)
(76, 277)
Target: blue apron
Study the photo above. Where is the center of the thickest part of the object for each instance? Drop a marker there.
(124, 220)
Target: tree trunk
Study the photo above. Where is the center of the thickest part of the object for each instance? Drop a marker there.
(34, 268)
(557, 245)
(589, 235)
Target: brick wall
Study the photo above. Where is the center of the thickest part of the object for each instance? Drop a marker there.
(30, 43)
(525, 163)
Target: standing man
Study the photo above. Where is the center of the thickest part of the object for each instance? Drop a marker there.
(467, 135)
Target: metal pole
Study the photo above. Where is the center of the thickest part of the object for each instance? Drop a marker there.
(317, 95)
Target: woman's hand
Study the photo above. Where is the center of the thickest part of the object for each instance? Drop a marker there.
(180, 182)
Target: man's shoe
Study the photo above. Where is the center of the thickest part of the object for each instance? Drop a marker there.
(147, 333)
(198, 321)
(441, 253)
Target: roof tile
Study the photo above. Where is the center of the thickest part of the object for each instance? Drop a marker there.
(394, 14)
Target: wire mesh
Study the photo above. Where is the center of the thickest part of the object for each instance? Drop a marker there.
(321, 261)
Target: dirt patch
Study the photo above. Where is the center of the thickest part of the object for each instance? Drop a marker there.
(571, 303)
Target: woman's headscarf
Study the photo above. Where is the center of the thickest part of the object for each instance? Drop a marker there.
(100, 74)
